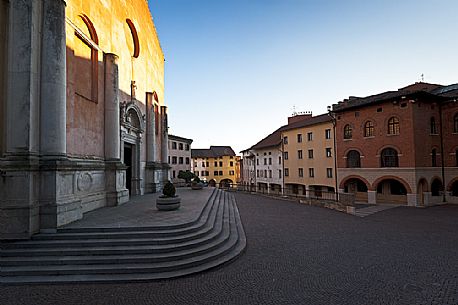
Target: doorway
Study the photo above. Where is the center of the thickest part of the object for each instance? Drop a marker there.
(128, 162)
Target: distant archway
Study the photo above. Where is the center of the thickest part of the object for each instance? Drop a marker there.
(391, 190)
(212, 183)
(436, 187)
(225, 183)
(421, 189)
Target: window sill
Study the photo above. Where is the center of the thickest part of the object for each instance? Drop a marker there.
(392, 135)
(345, 140)
(370, 137)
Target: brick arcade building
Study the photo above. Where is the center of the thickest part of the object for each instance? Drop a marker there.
(399, 146)
(82, 117)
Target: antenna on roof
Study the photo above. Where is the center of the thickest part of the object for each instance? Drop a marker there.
(422, 77)
(294, 110)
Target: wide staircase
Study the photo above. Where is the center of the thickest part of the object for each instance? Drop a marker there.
(128, 253)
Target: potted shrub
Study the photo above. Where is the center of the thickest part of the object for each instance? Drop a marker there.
(196, 184)
(169, 200)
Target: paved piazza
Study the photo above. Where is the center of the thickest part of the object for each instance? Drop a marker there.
(299, 254)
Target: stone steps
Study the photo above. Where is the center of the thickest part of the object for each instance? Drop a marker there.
(48, 260)
(364, 212)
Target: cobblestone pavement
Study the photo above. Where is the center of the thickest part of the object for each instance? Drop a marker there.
(298, 254)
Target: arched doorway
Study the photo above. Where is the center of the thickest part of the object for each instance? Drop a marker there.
(212, 183)
(132, 127)
(225, 183)
(391, 191)
(454, 188)
(358, 187)
(421, 189)
(436, 187)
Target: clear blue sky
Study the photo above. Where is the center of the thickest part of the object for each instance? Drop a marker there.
(235, 69)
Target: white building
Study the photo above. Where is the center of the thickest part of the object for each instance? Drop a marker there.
(263, 164)
(179, 156)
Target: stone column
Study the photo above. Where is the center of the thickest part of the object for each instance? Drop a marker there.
(165, 135)
(150, 132)
(372, 197)
(115, 173)
(112, 128)
(53, 80)
(412, 200)
(19, 180)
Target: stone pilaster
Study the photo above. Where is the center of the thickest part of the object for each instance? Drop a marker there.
(53, 80)
(164, 135)
(164, 144)
(150, 132)
(19, 178)
(54, 200)
(112, 126)
(115, 171)
(151, 185)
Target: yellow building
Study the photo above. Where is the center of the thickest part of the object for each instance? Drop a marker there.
(308, 153)
(216, 165)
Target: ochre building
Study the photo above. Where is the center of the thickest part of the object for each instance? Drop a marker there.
(82, 117)
(308, 153)
(216, 165)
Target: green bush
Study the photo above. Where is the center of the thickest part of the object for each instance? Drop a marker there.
(196, 179)
(169, 189)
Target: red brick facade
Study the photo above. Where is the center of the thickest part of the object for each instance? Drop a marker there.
(413, 115)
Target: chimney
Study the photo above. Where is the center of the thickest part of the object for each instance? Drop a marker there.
(299, 116)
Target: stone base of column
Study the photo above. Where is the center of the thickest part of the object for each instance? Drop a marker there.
(38, 194)
(116, 191)
(372, 197)
(19, 204)
(157, 174)
(412, 200)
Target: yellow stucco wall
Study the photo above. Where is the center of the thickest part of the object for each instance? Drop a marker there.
(320, 161)
(226, 168)
(85, 116)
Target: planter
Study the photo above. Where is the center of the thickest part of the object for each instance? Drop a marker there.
(197, 186)
(168, 203)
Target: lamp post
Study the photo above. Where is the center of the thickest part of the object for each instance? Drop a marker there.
(334, 121)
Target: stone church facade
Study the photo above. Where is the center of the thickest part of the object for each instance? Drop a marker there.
(82, 117)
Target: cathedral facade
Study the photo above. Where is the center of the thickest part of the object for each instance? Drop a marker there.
(83, 123)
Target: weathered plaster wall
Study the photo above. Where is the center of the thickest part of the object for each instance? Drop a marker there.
(85, 123)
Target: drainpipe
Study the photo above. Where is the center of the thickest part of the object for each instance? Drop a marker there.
(444, 199)
(282, 165)
(334, 122)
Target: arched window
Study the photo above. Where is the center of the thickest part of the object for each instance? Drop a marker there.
(432, 124)
(86, 59)
(348, 132)
(353, 159)
(136, 43)
(434, 157)
(455, 123)
(393, 126)
(389, 158)
(369, 129)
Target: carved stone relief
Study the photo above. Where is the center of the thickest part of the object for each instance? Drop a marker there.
(84, 182)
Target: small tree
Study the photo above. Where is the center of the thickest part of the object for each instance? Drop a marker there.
(169, 190)
(186, 175)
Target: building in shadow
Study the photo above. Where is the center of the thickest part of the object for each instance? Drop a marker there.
(83, 122)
